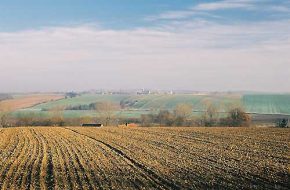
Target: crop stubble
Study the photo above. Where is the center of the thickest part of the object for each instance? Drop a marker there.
(144, 158)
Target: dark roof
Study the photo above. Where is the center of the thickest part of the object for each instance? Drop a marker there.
(92, 125)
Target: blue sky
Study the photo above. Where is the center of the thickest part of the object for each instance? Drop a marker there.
(199, 45)
(21, 14)
(116, 14)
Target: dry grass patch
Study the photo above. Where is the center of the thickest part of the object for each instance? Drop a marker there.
(27, 101)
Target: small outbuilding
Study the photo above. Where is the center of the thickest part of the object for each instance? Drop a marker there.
(92, 125)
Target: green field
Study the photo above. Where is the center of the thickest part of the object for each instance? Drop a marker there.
(80, 100)
(142, 104)
(169, 102)
(145, 102)
(80, 113)
(267, 103)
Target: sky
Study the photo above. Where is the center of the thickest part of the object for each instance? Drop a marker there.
(209, 45)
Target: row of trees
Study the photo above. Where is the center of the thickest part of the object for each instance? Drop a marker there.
(107, 113)
(182, 116)
(91, 106)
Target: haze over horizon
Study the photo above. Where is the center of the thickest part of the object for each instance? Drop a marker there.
(227, 45)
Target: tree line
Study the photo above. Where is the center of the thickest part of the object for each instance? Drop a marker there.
(108, 113)
(182, 116)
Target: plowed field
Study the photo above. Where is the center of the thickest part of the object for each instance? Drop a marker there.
(144, 158)
(27, 101)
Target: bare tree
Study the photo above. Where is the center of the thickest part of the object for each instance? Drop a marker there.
(25, 118)
(182, 113)
(107, 111)
(237, 117)
(57, 115)
(147, 119)
(165, 117)
(210, 116)
(4, 112)
(3, 119)
(283, 123)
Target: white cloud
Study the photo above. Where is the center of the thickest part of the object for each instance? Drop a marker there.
(181, 55)
(222, 5)
(277, 8)
(206, 9)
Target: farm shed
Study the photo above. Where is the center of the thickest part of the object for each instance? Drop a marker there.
(92, 125)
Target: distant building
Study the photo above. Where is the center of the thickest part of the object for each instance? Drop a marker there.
(144, 92)
(169, 92)
(71, 95)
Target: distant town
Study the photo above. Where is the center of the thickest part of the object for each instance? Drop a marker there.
(145, 91)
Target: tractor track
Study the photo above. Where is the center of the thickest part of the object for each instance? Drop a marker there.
(161, 182)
